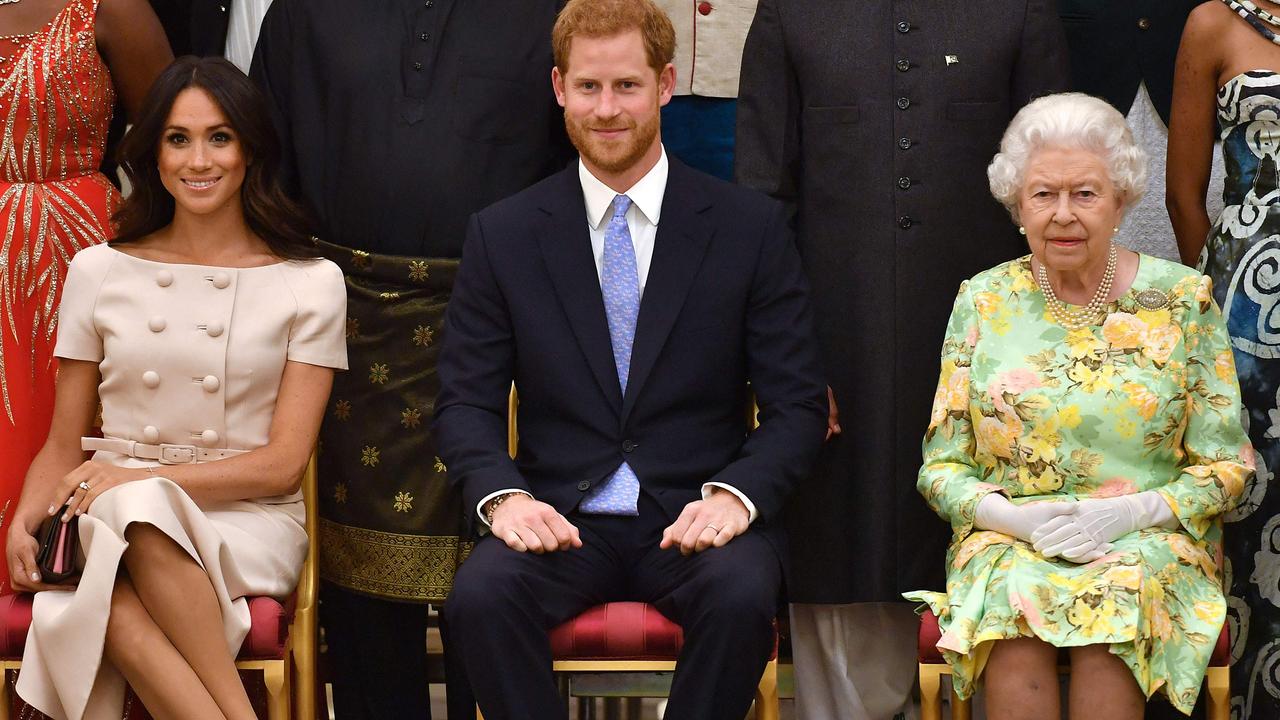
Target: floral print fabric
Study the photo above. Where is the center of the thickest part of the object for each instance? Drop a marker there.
(1147, 400)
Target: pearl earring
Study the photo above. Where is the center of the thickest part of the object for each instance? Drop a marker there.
(1022, 230)
(1115, 229)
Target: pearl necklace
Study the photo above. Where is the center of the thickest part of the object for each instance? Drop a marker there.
(1078, 317)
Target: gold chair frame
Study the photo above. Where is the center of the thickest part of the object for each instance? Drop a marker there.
(767, 689)
(291, 679)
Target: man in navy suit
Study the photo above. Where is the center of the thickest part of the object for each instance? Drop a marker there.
(631, 300)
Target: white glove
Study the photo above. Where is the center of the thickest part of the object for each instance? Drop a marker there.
(995, 512)
(1101, 522)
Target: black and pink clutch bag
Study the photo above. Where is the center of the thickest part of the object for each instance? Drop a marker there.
(59, 543)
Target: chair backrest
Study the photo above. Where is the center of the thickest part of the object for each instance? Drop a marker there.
(513, 437)
(309, 581)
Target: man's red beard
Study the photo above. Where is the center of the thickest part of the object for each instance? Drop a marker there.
(613, 155)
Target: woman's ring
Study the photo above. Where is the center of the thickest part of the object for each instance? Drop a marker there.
(84, 486)
(713, 527)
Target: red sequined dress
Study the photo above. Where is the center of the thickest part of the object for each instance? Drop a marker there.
(56, 99)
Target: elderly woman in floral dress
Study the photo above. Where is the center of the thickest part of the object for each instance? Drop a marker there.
(1085, 439)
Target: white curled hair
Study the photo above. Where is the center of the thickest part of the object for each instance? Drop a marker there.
(1068, 120)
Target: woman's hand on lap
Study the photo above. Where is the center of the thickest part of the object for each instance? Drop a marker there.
(98, 478)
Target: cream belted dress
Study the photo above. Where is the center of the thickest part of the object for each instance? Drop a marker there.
(190, 356)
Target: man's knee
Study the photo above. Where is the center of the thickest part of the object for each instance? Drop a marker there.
(740, 594)
(487, 586)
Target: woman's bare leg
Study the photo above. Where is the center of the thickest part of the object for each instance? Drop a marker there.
(1102, 686)
(1021, 680)
(156, 671)
(180, 599)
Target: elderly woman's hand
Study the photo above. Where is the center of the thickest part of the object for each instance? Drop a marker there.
(83, 485)
(995, 512)
(1102, 522)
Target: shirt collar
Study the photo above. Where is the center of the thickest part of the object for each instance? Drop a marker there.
(646, 194)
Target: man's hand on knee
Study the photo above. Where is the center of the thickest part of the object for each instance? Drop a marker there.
(527, 525)
(707, 523)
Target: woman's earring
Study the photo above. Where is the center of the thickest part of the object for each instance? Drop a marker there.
(1022, 230)
(1115, 229)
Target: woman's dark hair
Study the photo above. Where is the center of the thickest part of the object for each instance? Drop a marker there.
(268, 211)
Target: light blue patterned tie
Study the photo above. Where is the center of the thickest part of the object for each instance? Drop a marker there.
(620, 285)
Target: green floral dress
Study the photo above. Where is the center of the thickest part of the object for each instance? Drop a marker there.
(1147, 400)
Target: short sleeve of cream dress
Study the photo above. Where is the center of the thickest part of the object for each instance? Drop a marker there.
(189, 355)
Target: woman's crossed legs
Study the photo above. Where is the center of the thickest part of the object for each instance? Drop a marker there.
(165, 634)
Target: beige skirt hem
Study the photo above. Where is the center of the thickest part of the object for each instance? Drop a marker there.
(247, 548)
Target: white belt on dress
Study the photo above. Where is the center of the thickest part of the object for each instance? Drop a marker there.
(164, 453)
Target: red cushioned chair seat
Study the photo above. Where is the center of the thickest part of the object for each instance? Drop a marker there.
(930, 633)
(621, 631)
(618, 631)
(15, 618)
(265, 641)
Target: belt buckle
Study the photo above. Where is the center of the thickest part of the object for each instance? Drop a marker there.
(176, 454)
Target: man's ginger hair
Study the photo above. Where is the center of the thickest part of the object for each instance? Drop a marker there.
(606, 18)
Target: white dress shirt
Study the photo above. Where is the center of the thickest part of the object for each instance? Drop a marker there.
(642, 222)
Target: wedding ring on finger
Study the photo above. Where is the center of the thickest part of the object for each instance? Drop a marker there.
(713, 527)
(83, 486)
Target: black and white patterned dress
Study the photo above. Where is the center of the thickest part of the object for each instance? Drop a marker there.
(1243, 258)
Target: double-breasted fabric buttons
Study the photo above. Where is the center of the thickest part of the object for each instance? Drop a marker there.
(157, 324)
(164, 278)
(215, 328)
(209, 438)
(210, 384)
(221, 280)
(151, 379)
(150, 435)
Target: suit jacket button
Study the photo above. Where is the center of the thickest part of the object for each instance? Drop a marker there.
(904, 26)
(1144, 24)
(628, 446)
(905, 222)
(584, 486)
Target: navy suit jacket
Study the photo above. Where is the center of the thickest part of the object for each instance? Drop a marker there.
(725, 303)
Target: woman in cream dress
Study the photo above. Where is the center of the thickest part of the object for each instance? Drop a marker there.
(211, 340)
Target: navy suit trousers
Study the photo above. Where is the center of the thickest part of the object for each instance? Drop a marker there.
(504, 603)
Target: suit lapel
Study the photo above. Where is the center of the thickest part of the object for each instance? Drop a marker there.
(678, 250)
(566, 249)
